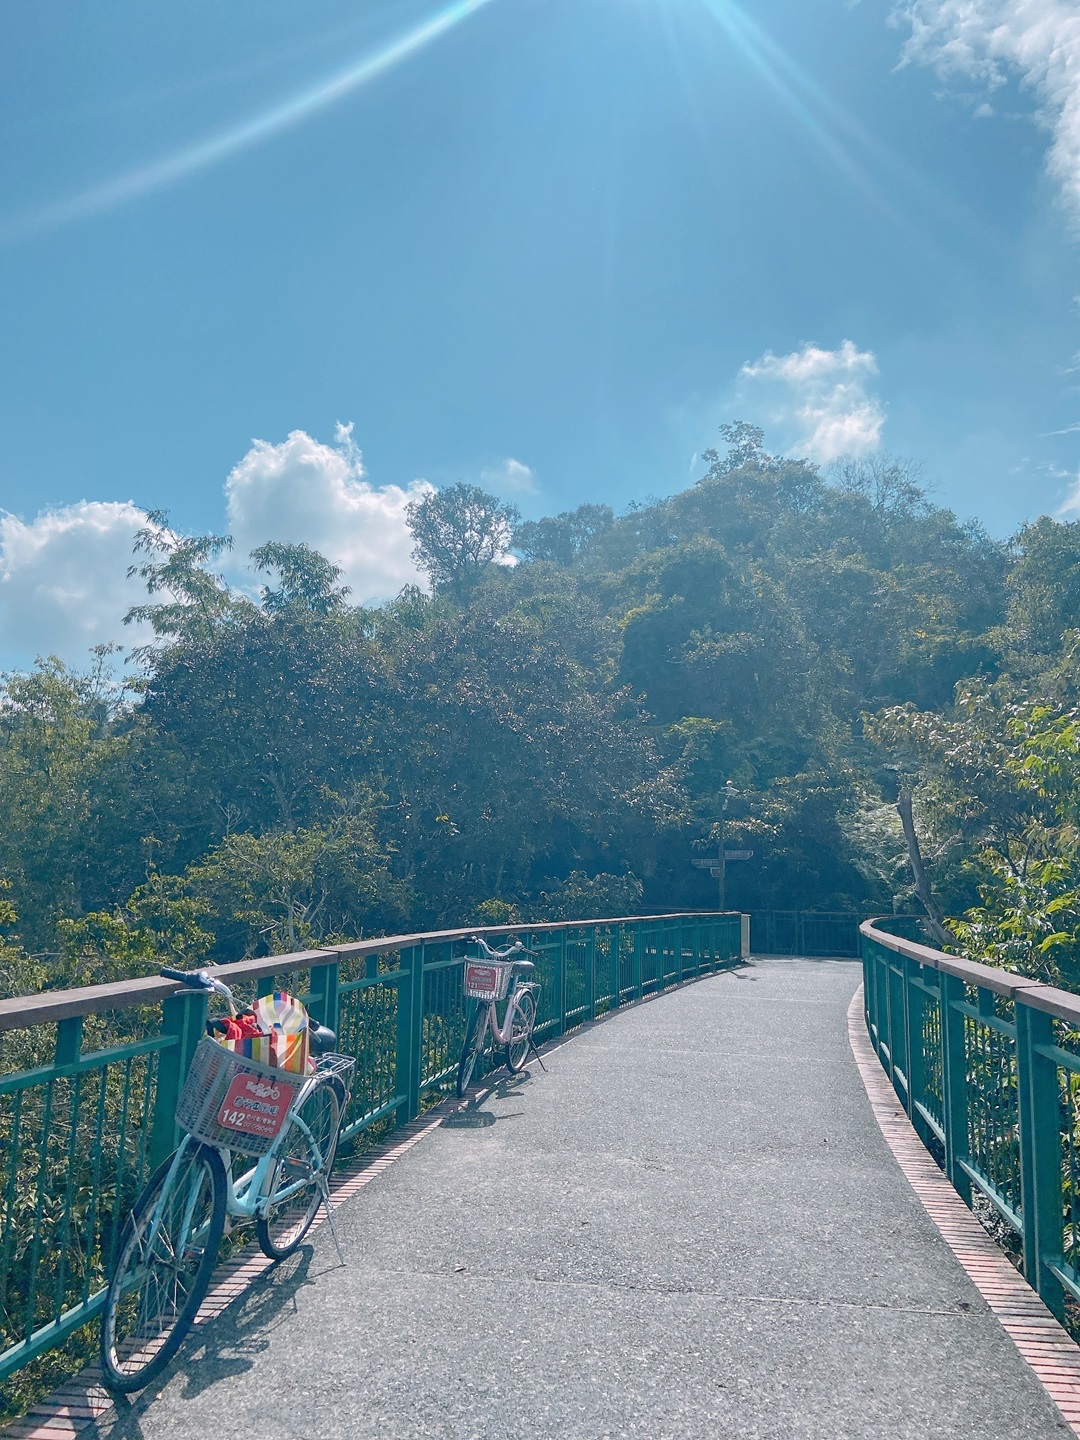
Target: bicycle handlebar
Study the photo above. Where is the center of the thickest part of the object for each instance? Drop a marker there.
(197, 980)
(517, 948)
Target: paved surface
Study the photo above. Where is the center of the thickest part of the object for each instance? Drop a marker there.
(690, 1226)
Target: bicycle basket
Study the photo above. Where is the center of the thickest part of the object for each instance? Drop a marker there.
(487, 979)
(233, 1102)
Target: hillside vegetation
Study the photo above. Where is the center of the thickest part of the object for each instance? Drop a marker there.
(783, 651)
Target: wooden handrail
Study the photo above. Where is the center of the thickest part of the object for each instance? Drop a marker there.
(1049, 998)
(22, 1012)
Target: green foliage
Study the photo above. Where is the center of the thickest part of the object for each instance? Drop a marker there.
(291, 890)
(305, 579)
(591, 897)
(1030, 916)
(176, 567)
(459, 532)
(563, 539)
(496, 912)
(559, 733)
(160, 924)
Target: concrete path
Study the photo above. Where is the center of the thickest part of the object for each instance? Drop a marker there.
(690, 1226)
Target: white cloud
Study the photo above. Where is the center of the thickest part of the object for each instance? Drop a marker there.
(1069, 509)
(304, 491)
(511, 477)
(1037, 40)
(63, 580)
(817, 397)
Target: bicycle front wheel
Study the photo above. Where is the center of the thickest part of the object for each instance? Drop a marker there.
(521, 1029)
(294, 1183)
(474, 1044)
(163, 1270)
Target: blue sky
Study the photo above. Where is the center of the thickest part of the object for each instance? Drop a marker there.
(548, 245)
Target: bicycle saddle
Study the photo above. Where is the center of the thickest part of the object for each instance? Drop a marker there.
(525, 966)
(321, 1038)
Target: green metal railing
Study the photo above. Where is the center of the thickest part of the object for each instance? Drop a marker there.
(804, 932)
(987, 1065)
(89, 1078)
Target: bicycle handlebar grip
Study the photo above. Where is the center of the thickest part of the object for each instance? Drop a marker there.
(193, 979)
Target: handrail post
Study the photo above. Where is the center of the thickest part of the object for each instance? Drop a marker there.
(1038, 1107)
(915, 1012)
(560, 981)
(324, 994)
(615, 958)
(907, 1032)
(183, 1016)
(410, 1033)
(637, 969)
(954, 1085)
(590, 974)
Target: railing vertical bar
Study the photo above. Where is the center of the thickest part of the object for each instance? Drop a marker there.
(410, 1033)
(915, 1001)
(1040, 1155)
(95, 1171)
(954, 1084)
(118, 1177)
(324, 993)
(35, 1248)
(69, 1045)
(560, 981)
(591, 975)
(183, 1016)
(11, 1191)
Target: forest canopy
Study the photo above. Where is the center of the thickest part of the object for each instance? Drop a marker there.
(580, 707)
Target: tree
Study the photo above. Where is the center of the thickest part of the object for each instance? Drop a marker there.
(1029, 919)
(198, 599)
(306, 579)
(1044, 593)
(459, 532)
(566, 537)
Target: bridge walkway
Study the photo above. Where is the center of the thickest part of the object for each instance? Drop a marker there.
(690, 1226)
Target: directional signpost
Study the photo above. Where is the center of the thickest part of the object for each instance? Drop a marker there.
(717, 866)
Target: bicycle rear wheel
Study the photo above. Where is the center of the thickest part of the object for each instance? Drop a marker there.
(474, 1044)
(163, 1270)
(521, 1029)
(294, 1183)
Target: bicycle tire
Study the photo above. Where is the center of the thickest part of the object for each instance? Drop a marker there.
(282, 1226)
(517, 1049)
(474, 1043)
(137, 1345)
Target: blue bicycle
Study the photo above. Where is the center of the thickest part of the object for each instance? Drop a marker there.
(288, 1124)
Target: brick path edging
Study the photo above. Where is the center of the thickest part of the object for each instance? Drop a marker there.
(1035, 1332)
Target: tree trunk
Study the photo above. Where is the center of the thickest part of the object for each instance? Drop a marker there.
(922, 884)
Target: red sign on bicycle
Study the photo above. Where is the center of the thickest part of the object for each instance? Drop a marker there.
(255, 1105)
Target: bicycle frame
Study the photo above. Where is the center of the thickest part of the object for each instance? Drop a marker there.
(502, 1033)
(244, 1197)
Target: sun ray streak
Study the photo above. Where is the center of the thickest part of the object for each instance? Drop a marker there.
(824, 121)
(215, 149)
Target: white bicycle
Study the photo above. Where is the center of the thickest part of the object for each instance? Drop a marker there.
(490, 977)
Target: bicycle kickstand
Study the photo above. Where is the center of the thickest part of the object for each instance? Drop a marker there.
(534, 1051)
(325, 1188)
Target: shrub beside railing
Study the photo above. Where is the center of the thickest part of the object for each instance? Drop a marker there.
(987, 1065)
(89, 1078)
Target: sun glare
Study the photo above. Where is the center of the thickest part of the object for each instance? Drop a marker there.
(216, 148)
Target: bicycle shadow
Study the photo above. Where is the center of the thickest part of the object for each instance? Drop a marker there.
(470, 1116)
(226, 1345)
